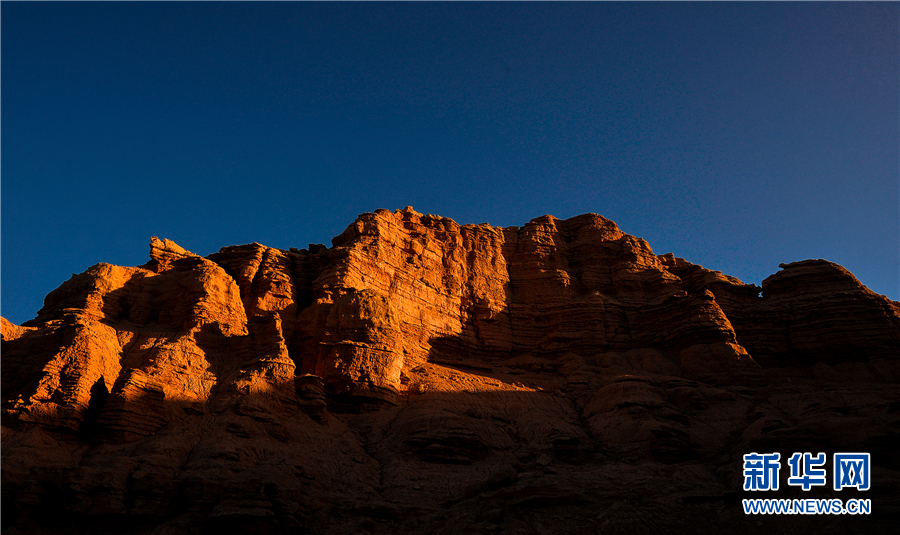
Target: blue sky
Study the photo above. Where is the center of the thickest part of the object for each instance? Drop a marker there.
(736, 135)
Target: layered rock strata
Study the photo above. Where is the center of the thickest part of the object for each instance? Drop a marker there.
(421, 376)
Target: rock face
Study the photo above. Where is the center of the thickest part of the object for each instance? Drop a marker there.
(422, 376)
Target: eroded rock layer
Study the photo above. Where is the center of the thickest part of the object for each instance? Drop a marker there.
(421, 376)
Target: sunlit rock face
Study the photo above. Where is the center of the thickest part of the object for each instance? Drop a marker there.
(422, 376)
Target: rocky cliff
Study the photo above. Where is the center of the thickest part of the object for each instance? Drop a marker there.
(422, 376)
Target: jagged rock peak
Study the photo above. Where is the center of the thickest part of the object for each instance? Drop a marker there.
(163, 253)
(166, 248)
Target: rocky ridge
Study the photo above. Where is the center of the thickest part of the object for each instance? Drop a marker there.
(422, 376)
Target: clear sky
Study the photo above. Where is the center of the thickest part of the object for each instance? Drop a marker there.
(736, 135)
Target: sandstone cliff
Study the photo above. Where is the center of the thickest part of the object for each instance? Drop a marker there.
(421, 376)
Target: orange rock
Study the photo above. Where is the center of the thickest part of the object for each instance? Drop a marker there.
(425, 376)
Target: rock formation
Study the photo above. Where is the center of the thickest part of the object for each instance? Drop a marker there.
(421, 376)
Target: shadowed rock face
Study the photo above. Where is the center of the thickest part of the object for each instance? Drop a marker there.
(426, 377)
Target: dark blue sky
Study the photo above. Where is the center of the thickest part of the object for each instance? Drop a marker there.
(736, 135)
